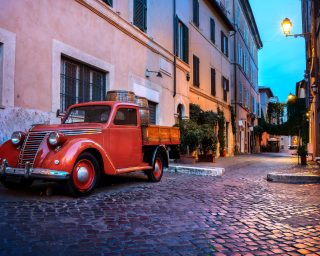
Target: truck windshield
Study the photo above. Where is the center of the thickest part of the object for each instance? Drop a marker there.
(88, 114)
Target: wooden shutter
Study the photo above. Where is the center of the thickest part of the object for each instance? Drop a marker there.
(196, 66)
(186, 44)
(213, 82)
(227, 85)
(222, 45)
(140, 14)
(196, 12)
(212, 31)
(226, 45)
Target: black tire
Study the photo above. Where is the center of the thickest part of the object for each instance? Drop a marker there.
(22, 183)
(156, 173)
(82, 182)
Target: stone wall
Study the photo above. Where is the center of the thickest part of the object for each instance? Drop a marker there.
(21, 119)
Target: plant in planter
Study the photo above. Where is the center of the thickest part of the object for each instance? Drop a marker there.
(190, 138)
(209, 143)
(221, 132)
(303, 153)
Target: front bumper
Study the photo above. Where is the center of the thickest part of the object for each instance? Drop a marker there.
(33, 173)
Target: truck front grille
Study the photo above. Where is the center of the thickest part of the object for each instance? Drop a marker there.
(30, 148)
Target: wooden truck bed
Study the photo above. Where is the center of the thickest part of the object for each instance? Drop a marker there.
(156, 135)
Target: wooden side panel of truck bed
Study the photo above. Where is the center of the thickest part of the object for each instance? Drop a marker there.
(156, 135)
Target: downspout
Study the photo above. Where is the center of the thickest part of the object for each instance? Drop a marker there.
(174, 50)
(235, 74)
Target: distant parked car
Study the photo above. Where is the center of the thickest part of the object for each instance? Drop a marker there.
(292, 147)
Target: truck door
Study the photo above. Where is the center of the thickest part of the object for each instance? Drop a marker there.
(125, 139)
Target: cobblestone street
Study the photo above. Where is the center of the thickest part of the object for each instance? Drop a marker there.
(237, 214)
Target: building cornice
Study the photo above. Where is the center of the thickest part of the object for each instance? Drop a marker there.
(217, 7)
(106, 13)
(208, 97)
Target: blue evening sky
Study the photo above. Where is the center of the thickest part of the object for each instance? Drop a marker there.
(281, 60)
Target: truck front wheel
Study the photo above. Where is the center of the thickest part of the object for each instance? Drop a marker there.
(84, 176)
(156, 174)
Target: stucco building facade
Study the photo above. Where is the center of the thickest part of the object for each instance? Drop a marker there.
(56, 53)
(245, 100)
(311, 83)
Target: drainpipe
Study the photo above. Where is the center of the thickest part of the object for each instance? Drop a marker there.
(174, 50)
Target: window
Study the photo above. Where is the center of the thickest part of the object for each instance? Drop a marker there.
(196, 13)
(1, 73)
(213, 82)
(108, 2)
(196, 70)
(224, 44)
(140, 14)
(212, 30)
(126, 116)
(183, 42)
(240, 93)
(225, 87)
(152, 112)
(240, 55)
(88, 114)
(80, 83)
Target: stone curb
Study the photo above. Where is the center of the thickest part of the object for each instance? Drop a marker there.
(301, 178)
(216, 171)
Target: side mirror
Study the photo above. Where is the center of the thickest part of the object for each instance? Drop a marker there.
(59, 114)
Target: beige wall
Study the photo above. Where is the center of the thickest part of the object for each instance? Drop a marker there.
(93, 33)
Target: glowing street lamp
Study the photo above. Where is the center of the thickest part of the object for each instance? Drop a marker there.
(286, 25)
(290, 96)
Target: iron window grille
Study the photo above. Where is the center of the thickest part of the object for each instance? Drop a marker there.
(140, 14)
(80, 83)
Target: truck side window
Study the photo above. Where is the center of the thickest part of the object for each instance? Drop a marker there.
(126, 116)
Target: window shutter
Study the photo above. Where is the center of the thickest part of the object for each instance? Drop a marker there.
(213, 82)
(196, 12)
(212, 31)
(196, 76)
(140, 14)
(186, 44)
(222, 48)
(227, 85)
(227, 46)
(152, 112)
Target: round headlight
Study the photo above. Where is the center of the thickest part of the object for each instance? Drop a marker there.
(56, 138)
(17, 138)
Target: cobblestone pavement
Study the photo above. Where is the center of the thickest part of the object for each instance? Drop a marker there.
(238, 214)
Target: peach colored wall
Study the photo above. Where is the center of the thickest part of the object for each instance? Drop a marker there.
(99, 34)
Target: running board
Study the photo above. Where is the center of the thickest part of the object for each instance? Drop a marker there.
(133, 169)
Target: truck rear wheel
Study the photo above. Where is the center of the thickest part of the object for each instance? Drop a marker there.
(156, 174)
(85, 175)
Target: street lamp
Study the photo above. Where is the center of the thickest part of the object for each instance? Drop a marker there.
(290, 96)
(286, 25)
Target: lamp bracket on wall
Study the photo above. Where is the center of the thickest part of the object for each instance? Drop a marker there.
(148, 72)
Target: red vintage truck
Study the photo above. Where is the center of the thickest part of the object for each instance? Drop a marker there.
(93, 139)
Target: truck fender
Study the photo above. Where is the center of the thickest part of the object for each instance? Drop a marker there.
(161, 149)
(9, 152)
(70, 151)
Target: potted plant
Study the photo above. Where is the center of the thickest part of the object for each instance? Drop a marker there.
(190, 140)
(303, 153)
(208, 144)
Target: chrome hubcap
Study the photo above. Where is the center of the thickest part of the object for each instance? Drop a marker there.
(83, 174)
